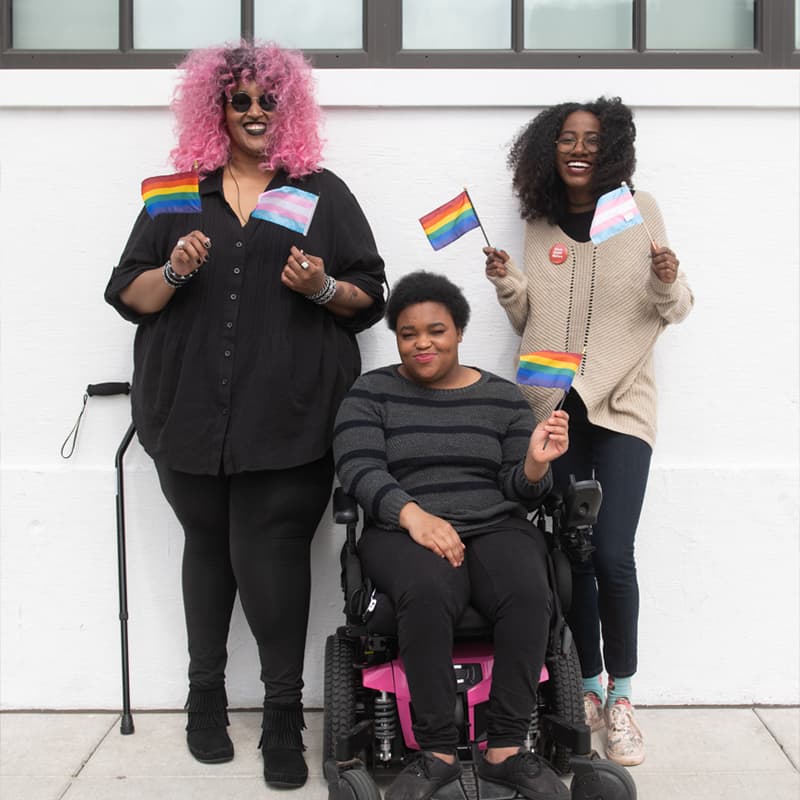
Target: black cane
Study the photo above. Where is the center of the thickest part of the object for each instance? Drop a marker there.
(126, 724)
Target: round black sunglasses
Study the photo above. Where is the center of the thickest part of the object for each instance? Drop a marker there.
(241, 102)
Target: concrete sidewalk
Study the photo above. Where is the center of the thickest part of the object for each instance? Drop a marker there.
(692, 754)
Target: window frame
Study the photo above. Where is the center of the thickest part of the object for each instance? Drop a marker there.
(382, 31)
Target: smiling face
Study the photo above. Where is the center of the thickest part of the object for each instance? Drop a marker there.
(575, 164)
(248, 130)
(427, 341)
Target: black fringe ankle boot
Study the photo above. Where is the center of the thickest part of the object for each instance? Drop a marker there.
(282, 745)
(206, 733)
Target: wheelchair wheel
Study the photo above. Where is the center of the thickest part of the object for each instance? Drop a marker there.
(361, 784)
(561, 695)
(597, 778)
(341, 683)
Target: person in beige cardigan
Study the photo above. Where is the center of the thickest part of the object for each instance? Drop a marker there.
(610, 302)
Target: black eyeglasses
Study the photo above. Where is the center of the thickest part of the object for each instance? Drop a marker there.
(241, 102)
(568, 142)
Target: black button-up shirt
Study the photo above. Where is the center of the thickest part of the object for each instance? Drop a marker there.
(238, 372)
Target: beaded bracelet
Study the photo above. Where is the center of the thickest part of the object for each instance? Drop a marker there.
(325, 294)
(173, 279)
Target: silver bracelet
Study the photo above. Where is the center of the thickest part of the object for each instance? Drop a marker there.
(173, 279)
(325, 294)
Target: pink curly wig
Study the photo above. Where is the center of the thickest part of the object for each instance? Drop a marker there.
(210, 77)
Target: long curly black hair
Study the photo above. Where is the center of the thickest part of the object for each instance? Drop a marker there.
(532, 156)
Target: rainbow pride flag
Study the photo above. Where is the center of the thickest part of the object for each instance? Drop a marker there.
(288, 207)
(172, 194)
(615, 212)
(548, 369)
(448, 222)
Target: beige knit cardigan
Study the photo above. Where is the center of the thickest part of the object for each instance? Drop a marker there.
(604, 301)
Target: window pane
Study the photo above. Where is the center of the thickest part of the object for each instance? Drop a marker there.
(311, 24)
(184, 24)
(700, 24)
(466, 25)
(578, 24)
(797, 24)
(57, 25)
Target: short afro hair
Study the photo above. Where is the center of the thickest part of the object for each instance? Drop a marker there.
(532, 156)
(426, 287)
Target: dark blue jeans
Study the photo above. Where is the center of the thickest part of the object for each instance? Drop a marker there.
(605, 591)
(251, 531)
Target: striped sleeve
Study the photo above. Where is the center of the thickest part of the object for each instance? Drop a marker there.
(513, 482)
(359, 449)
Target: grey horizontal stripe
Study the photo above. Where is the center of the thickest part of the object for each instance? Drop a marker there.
(455, 486)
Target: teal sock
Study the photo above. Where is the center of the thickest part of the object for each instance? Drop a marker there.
(595, 685)
(619, 689)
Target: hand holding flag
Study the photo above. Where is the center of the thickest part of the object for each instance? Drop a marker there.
(496, 262)
(665, 263)
(554, 429)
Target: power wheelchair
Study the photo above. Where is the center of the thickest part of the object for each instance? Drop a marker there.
(367, 706)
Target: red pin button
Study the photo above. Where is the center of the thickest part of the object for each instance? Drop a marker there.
(558, 253)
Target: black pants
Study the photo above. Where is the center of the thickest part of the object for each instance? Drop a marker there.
(251, 531)
(605, 591)
(504, 576)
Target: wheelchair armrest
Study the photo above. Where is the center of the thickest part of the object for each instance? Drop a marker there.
(345, 508)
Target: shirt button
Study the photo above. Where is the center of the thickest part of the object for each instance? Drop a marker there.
(227, 354)
(237, 270)
(238, 244)
(228, 324)
(224, 412)
(234, 295)
(224, 381)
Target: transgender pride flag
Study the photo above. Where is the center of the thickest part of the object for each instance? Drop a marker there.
(615, 212)
(288, 207)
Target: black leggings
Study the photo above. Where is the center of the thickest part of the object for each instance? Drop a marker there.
(605, 590)
(250, 531)
(504, 576)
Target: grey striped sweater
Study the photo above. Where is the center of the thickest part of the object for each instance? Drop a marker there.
(458, 453)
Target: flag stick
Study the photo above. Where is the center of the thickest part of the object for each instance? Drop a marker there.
(557, 408)
(475, 211)
(647, 230)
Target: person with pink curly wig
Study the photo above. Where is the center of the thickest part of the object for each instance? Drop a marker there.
(247, 312)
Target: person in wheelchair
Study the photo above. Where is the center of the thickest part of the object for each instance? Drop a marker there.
(446, 460)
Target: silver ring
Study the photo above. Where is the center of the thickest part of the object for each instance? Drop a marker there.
(181, 243)
(304, 264)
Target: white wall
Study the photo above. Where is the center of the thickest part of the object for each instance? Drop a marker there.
(718, 541)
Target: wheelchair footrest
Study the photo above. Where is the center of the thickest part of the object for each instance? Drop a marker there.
(471, 787)
(575, 735)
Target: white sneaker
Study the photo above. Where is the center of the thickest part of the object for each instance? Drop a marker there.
(593, 711)
(625, 745)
